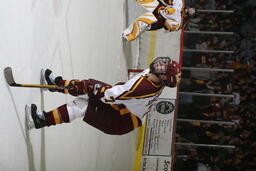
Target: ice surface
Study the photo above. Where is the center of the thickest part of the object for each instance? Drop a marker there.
(77, 39)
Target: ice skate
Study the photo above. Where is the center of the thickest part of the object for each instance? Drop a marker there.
(29, 122)
(124, 37)
(50, 79)
(34, 118)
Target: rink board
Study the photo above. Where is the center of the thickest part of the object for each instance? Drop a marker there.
(157, 146)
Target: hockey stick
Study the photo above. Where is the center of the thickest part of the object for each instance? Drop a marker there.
(10, 80)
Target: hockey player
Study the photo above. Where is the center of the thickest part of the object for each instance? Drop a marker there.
(167, 14)
(114, 110)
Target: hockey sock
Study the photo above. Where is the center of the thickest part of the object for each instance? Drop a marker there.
(57, 116)
(138, 26)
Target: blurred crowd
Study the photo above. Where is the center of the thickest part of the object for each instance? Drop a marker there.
(237, 79)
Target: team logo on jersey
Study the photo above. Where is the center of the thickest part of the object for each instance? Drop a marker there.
(164, 107)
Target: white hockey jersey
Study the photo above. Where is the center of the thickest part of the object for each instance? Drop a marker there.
(173, 14)
(137, 94)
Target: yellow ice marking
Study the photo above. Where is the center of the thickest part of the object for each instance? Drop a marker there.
(152, 47)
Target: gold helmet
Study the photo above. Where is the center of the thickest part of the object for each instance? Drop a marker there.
(169, 10)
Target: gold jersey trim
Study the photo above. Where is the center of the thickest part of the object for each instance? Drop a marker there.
(125, 95)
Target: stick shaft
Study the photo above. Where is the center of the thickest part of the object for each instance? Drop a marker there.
(38, 86)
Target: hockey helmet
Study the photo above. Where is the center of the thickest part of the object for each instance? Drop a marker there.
(167, 70)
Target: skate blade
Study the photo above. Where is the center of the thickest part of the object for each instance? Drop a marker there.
(43, 81)
(29, 122)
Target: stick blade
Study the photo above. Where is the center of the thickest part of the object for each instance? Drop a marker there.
(9, 76)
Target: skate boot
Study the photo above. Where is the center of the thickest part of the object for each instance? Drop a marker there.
(38, 119)
(50, 79)
(124, 36)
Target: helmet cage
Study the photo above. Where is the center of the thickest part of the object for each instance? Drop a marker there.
(165, 60)
(171, 70)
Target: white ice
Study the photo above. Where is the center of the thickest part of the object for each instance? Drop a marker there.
(77, 39)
